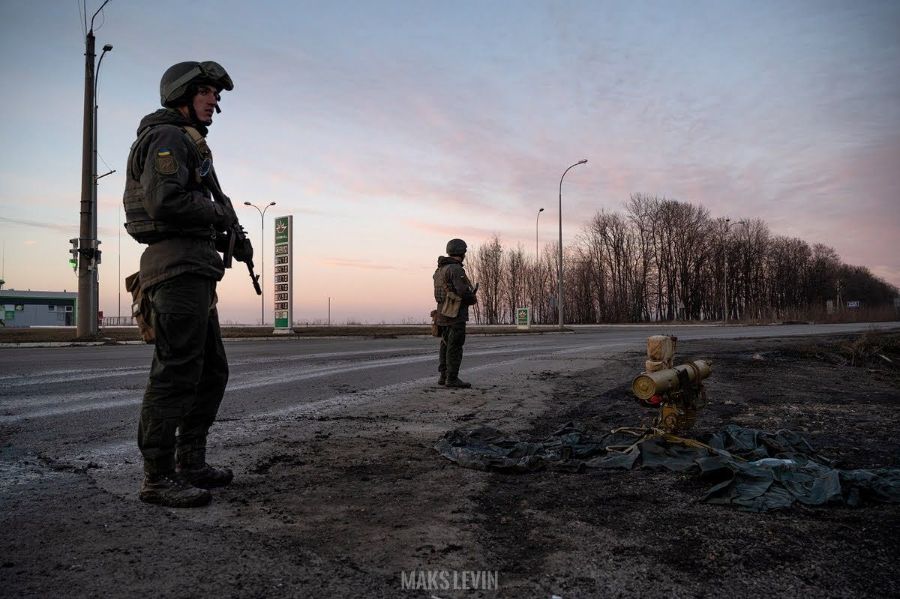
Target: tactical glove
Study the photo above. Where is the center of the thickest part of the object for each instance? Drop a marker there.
(243, 250)
(222, 242)
(224, 219)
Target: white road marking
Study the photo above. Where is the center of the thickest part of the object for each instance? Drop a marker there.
(59, 404)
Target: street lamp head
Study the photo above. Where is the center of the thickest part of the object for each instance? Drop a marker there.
(582, 161)
(541, 210)
(271, 203)
(107, 47)
(247, 204)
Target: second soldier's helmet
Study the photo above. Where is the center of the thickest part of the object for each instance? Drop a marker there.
(175, 85)
(456, 247)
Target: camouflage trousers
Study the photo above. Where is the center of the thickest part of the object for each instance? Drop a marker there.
(188, 374)
(453, 337)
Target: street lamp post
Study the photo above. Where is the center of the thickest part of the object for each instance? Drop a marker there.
(559, 282)
(725, 271)
(537, 261)
(262, 258)
(95, 275)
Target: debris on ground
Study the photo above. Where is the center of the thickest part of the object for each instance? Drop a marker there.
(752, 470)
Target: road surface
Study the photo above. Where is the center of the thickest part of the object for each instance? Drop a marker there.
(66, 401)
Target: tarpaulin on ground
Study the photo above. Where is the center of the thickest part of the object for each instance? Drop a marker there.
(752, 469)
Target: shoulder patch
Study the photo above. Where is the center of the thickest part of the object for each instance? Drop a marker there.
(165, 163)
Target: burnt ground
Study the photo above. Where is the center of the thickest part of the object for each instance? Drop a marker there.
(334, 504)
(644, 532)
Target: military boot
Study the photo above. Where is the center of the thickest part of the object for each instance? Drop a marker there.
(192, 466)
(442, 380)
(206, 476)
(170, 490)
(457, 383)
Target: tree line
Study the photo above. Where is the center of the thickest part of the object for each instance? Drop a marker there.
(666, 260)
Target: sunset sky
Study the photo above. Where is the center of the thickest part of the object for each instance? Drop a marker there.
(387, 128)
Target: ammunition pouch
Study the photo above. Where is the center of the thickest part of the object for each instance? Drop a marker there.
(141, 309)
(144, 229)
(451, 304)
(435, 327)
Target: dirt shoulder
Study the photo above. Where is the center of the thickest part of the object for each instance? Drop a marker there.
(342, 502)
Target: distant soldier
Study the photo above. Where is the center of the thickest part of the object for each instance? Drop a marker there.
(169, 206)
(454, 294)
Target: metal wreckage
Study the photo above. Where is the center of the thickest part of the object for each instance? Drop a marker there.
(751, 469)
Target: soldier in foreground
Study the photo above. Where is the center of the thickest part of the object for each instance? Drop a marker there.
(454, 294)
(169, 205)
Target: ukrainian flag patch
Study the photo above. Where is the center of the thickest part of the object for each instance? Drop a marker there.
(165, 162)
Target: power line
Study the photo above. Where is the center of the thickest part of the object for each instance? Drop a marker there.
(103, 161)
(99, 10)
(82, 17)
(102, 14)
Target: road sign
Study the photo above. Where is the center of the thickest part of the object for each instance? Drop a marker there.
(523, 318)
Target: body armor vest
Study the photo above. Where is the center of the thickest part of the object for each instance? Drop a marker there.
(138, 223)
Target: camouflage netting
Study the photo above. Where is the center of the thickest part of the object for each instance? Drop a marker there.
(753, 470)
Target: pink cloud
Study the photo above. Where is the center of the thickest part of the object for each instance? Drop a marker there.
(352, 263)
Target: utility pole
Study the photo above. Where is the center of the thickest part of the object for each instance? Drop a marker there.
(87, 315)
(88, 250)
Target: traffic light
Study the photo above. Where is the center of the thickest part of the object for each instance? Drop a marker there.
(73, 261)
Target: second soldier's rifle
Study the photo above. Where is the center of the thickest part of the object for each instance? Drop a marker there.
(236, 233)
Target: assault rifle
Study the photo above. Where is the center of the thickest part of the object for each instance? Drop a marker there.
(236, 233)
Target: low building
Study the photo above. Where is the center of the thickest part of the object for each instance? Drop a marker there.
(37, 308)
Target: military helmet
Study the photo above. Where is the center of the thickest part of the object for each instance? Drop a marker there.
(456, 247)
(178, 78)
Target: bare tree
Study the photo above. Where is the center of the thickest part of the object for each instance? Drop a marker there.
(640, 212)
(487, 270)
(824, 276)
(786, 265)
(609, 246)
(515, 282)
(666, 260)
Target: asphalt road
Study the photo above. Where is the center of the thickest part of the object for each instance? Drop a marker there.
(66, 402)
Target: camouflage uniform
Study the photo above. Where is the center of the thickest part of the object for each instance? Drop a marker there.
(451, 275)
(179, 272)
(169, 207)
